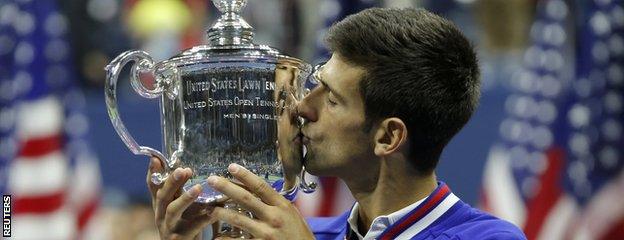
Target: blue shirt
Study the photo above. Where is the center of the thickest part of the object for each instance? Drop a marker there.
(439, 216)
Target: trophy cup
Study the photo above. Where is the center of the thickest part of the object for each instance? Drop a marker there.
(230, 101)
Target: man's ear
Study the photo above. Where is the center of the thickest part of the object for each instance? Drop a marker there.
(390, 135)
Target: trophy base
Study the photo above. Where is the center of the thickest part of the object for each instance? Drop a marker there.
(211, 197)
(222, 229)
(229, 231)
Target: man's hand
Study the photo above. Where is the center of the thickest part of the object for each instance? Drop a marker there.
(275, 217)
(170, 202)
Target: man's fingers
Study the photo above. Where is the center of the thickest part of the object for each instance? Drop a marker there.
(178, 206)
(239, 195)
(254, 227)
(172, 185)
(256, 185)
(198, 224)
(154, 166)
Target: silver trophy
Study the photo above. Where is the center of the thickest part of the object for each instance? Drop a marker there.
(230, 101)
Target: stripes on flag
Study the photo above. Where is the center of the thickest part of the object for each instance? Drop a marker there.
(46, 163)
(500, 194)
(558, 172)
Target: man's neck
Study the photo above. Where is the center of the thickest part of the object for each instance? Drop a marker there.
(395, 188)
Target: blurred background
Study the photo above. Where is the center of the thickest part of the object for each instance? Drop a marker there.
(543, 150)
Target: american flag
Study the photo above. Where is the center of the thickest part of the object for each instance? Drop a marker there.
(45, 161)
(332, 197)
(558, 172)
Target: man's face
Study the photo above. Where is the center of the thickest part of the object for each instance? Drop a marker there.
(334, 133)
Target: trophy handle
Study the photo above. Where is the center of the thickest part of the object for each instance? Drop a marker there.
(306, 187)
(142, 63)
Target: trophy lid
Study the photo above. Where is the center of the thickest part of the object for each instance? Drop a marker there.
(230, 28)
(229, 34)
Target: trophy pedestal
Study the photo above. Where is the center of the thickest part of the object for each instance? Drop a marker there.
(227, 230)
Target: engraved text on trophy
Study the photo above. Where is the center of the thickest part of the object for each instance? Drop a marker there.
(230, 116)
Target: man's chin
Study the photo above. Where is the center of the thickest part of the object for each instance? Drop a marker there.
(308, 163)
(319, 171)
(313, 171)
(314, 164)
(312, 167)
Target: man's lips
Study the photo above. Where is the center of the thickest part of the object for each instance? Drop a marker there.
(297, 139)
(301, 139)
(304, 139)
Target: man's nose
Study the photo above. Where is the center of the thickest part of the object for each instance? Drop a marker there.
(305, 109)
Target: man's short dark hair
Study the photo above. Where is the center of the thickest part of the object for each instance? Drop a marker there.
(419, 68)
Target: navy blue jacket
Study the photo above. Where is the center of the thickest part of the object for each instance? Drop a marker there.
(440, 216)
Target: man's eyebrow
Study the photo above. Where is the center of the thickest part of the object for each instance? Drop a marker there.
(336, 94)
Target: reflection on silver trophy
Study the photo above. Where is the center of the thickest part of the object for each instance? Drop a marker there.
(230, 101)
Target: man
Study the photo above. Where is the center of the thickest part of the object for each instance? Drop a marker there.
(399, 85)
